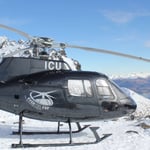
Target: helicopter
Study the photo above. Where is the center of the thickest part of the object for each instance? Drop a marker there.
(38, 87)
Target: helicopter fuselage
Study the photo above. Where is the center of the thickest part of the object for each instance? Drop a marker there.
(59, 95)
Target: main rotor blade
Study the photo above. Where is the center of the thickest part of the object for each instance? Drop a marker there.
(108, 52)
(16, 31)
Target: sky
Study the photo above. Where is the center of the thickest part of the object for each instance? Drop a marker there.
(122, 26)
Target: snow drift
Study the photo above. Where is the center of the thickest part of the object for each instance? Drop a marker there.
(143, 104)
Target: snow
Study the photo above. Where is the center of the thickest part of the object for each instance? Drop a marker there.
(126, 134)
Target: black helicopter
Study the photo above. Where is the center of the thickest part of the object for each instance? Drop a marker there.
(40, 88)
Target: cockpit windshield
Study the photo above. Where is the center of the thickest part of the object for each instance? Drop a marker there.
(120, 93)
(104, 89)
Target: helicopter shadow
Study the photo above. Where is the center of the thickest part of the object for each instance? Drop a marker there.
(6, 132)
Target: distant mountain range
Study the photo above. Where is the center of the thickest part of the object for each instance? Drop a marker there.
(139, 83)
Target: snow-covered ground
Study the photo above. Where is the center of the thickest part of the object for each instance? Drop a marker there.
(126, 134)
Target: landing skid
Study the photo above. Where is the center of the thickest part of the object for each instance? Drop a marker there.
(93, 129)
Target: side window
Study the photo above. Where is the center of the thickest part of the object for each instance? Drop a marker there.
(75, 87)
(104, 90)
(79, 88)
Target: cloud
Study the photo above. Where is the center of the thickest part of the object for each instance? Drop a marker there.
(123, 16)
(11, 22)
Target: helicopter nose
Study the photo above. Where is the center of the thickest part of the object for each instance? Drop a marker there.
(129, 105)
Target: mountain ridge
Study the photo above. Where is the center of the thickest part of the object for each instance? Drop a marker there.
(139, 83)
(131, 75)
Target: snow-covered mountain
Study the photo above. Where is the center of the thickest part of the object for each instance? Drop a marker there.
(139, 83)
(126, 134)
(9, 48)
